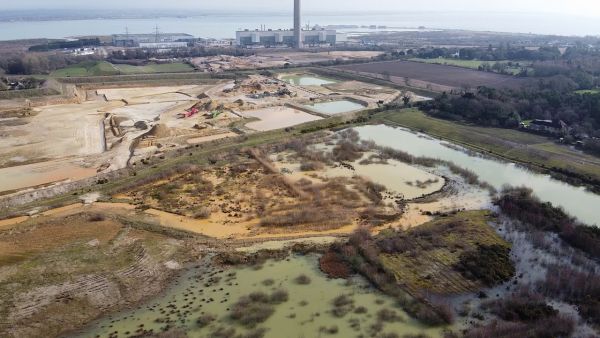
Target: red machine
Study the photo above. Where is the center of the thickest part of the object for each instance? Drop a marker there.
(188, 113)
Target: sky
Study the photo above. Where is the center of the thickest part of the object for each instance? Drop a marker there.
(588, 8)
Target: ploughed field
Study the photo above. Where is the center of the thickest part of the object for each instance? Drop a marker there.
(442, 75)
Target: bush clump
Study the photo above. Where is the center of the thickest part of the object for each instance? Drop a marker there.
(202, 213)
(523, 310)
(311, 166)
(205, 320)
(257, 307)
(334, 266)
(489, 264)
(302, 280)
(521, 204)
(342, 306)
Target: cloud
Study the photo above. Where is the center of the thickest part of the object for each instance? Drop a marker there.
(572, 7)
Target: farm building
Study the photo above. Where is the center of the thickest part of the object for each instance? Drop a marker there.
(552, 127)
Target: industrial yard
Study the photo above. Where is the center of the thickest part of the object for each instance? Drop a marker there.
(107, 129)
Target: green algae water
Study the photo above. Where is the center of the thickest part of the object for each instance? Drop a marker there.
(309, 311)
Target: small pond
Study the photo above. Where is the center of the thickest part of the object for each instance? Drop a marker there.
(335, 107)
(307, 80)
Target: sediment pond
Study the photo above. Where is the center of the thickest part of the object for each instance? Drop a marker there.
(576, 201)
(308, 312)
(307, 80)
(335, 107)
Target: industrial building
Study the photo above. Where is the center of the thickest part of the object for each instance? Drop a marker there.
(296, 38)
(286, 38)
(163, 45)
(136, 40)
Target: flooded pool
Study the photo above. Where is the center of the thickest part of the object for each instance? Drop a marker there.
(307, 80)
(277, 118)
(575, 200)
(335, 107)
(307, 312)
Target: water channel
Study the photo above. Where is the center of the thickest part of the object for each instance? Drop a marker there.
(576, 201)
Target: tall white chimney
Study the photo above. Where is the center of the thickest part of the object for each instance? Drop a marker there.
(298, 23)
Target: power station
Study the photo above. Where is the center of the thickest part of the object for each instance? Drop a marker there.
(296, 37)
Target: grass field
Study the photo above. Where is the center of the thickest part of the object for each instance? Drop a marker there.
(471, 64)
(588, 91)
(427, 265)
(156, 68)
(104, 68)
(511, 144)
(87, 69)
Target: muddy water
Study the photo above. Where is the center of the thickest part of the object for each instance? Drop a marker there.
(307, 310)
(576, 201)
(397, 177)
(277, 118)
(335, 107)
(307, 80)
(43, 173)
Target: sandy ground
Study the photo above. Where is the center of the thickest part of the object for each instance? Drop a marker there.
(141, 92)
(266, 59)
(70, 141)
(277, 118)
(59, 131)
(198, 140)
(37, 174)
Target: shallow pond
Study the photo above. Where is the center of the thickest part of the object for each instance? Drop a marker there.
(277, 118)
(307, 80)
(335, 107)
(305, 314)
(575, 200)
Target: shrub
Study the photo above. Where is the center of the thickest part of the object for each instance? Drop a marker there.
(256, 333)
(252, 310)
(330, 330)
(342, 306)
(445, 312)
(268, 282)
(523, 309)
(223, 332)
(311, 166)
(346, 151)
(303, 280)
(519, 203)
(205, 320)
(387, 315)
(96, 218)
(334, 266)
(558, 326)
(202, 213)
(489, 264)
(278, 297)
(361, 310)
